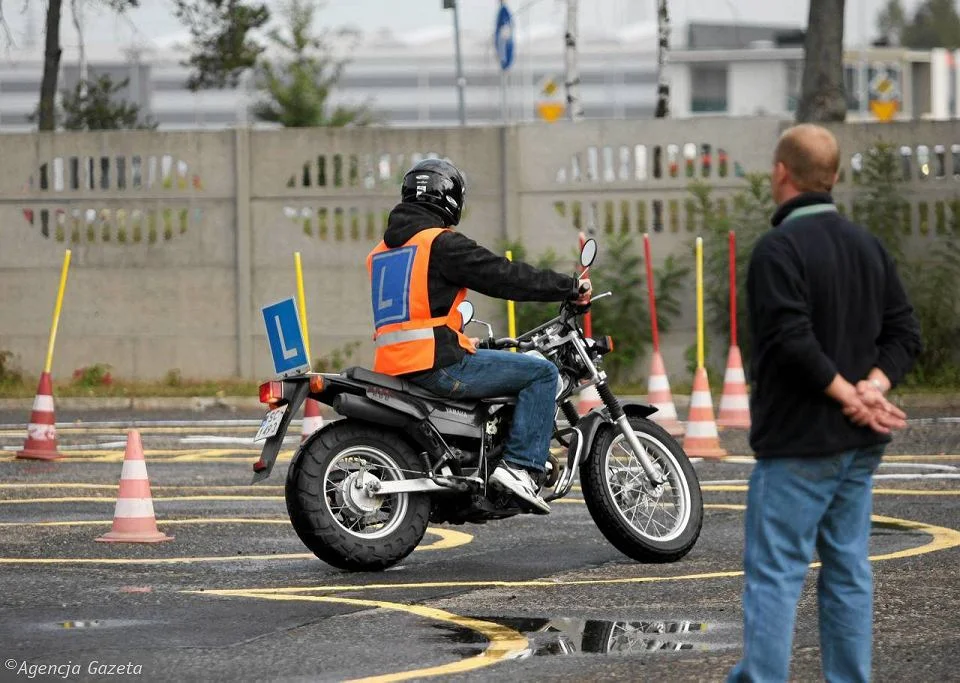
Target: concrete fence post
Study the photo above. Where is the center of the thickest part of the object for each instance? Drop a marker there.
(244, 265)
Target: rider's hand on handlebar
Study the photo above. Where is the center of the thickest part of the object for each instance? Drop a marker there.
(585, 289)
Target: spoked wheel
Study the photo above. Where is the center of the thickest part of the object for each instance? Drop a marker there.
(648, 523)
(332, 504)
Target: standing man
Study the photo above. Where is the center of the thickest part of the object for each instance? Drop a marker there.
(833, 331)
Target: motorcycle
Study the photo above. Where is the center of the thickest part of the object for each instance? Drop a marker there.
(361, 490)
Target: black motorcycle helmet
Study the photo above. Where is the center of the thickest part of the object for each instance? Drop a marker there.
(436, 182)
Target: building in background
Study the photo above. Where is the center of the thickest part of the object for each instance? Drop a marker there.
(715, 70)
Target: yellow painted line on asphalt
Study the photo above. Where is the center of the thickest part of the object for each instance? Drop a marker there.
(199, 430)
(504, 642)
(942, 538)
(113, 487)
(448, 539)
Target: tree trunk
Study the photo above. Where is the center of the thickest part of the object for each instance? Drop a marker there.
(822, 98)
(572, 81)
(51, 67)
(663, 47)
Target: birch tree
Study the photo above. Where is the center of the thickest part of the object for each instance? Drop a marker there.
(572, 80)
(663, 47)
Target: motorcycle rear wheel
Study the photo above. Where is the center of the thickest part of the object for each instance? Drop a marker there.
(334, 518)
(643, 523)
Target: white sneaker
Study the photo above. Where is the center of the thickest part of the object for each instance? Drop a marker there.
(518, 481)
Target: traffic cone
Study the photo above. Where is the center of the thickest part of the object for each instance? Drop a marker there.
(133, 518)
(589, 399)
(41, 443)
(659, 396)
(701, 439)
(734, 403)
(311, 419)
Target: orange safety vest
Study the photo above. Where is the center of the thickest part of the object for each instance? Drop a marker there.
(404, 335)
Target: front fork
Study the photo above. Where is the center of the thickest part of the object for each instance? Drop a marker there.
(599, 379)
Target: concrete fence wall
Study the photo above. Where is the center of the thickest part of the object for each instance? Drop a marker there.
(179, 239)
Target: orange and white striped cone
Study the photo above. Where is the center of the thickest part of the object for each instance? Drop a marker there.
(41, 442)
(312, 421)
(659, 396)
(588, 400)
(702, 439)
(133, 518)
(734, 403)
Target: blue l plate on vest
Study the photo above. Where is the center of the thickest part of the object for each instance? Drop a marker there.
(285, 337)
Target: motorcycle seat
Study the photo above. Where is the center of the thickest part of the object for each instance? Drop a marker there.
(404, 386)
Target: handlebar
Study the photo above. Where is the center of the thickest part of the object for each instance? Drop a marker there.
(506, 343)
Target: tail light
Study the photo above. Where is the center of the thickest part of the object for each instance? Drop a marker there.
(316, 384)
(271, 392)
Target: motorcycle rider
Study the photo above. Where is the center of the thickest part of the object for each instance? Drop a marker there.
(419, 274)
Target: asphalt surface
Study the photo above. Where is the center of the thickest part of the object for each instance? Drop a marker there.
(236, 596)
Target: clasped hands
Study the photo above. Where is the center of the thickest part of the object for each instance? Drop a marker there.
(866, 406)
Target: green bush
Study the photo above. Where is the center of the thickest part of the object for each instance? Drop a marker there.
(92, 376)
(931, 275)
(337, 359)
(624, 316)
(10, 375)
(752, 209)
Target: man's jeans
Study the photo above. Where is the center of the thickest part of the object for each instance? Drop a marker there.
(486, 374)
(793, 505)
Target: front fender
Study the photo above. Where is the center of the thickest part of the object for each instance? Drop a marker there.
(638, 409)
(591, 423)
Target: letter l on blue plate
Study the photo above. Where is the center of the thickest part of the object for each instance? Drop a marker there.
(285, 337)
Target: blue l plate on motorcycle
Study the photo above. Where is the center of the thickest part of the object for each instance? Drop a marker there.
(285, 338)
(390, 278)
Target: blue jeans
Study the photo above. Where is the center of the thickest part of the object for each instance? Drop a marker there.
(532, 380)
(795, 504)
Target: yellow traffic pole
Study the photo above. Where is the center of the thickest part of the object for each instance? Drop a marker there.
(302, 307)
(700, 362)
(56, 312)
(511, 311)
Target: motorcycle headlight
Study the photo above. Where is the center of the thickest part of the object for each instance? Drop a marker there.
(604, 344)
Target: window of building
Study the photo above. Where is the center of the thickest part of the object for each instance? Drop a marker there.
(708, 88)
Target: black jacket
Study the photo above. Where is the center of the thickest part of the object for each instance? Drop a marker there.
(824, 297)
(456, 261)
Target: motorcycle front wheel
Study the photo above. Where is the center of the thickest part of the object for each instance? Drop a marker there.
(649, 524)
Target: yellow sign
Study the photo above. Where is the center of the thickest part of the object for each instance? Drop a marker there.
(884, 94)
(551, 111)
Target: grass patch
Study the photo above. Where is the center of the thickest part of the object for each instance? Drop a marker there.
(130, 389)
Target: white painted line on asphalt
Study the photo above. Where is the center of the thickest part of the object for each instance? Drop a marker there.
(902, 477)
(920, 466)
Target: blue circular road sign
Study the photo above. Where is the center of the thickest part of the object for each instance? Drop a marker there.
(503, 37)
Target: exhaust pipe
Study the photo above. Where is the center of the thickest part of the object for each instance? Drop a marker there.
(362, 408)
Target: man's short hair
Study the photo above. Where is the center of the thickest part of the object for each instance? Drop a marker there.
(811, 155)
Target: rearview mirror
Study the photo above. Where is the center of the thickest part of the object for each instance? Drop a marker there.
(466, 312)
(588, 253)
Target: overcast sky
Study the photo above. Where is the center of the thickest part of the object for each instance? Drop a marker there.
(153, 20)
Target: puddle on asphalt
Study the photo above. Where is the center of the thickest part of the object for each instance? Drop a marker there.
(74, 625)
(566, 636)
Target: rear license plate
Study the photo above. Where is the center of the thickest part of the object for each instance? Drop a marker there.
(270, 424)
